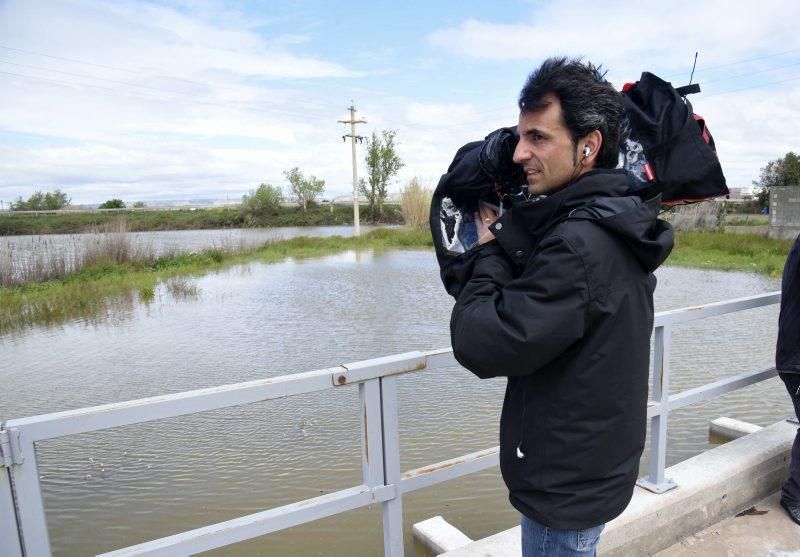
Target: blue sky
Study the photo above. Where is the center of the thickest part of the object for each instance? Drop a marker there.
(179, 100)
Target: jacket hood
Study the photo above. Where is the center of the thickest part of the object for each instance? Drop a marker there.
(600, 196)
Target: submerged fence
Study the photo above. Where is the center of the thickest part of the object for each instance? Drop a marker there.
(23, 528)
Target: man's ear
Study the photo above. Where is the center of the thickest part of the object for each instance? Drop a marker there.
(589, 147)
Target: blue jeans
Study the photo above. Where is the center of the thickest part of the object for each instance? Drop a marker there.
(540, 541)
(791, 489)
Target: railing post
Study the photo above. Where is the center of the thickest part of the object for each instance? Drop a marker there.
(9, 527)
(393, 508)
(655, 480)
(369, 393)
(32, 521)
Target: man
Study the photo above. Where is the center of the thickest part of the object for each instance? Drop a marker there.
(787, 362)
(559, 299)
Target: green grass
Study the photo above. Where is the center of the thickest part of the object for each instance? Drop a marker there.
(227, 217)
(730, 252)
(746, 220)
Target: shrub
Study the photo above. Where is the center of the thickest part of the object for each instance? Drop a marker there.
(112, 204)
(262, 202)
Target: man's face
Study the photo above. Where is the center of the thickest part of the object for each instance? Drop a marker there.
(545, 149)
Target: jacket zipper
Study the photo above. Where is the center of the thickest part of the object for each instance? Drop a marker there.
(520, 454)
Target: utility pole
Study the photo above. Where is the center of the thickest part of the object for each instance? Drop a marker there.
(353, 137)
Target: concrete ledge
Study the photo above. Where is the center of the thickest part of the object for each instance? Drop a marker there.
(711, 487)
(439, 536)
(729, 429)
(783, 232)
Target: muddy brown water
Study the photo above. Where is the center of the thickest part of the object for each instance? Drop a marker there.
(123, 486)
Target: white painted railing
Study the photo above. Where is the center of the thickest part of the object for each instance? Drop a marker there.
(23, 529)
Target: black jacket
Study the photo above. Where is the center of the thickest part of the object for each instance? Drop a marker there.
(562, 304)
(787, 353)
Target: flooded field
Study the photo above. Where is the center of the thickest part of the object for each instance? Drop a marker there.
(131, 484)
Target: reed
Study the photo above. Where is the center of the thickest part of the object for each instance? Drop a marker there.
(42, 259)
(415, 201)
(697, 217)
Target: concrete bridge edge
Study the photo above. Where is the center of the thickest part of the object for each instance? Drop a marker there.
(712, 486)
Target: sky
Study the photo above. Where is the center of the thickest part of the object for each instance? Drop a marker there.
(182, 100)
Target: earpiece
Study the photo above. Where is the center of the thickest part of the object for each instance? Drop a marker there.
(586, 151)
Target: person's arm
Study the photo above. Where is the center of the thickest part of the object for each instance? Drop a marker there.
(502, 326)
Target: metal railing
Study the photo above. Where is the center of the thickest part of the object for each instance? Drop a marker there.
(23, 529)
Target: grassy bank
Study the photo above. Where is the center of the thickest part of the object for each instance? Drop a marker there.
(226, 217)
(730, 252)
(92, 290)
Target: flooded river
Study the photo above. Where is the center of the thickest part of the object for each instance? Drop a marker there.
(127, 485)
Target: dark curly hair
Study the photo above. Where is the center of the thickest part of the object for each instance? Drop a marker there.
(588, 102)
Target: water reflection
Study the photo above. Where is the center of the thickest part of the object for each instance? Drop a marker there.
(90, 309)
(43, 258)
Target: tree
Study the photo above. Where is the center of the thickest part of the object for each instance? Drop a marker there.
(49, 201)
(780, 172)
(304, 189)
(140, 205)
(383, 164)
(112, 204)
(261, 202)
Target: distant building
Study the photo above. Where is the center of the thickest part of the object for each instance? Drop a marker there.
(784, 212)
(735, 193)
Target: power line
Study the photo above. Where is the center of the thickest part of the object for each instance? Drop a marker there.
(209, 85)
(127, 83)
(737, 62)
(751, 73)
(107, 67)
(256, 105)
(703, 82)
(68, 83)
(122, 69)
(213, 101)
(750, 60)
(759, 86)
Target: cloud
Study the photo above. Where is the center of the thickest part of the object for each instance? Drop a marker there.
(199, 100)
(625, 35)
(750, 128)
(161, 105)
(748, 104)
(156, 39)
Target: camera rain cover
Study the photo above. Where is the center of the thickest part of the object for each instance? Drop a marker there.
(455, 202)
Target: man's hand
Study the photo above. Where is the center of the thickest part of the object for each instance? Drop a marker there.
(483, 219)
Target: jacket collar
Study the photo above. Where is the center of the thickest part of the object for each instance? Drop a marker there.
(521, 228)
(601, 197)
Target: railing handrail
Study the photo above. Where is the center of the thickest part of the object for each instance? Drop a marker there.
(364, 369)
(383, 480)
